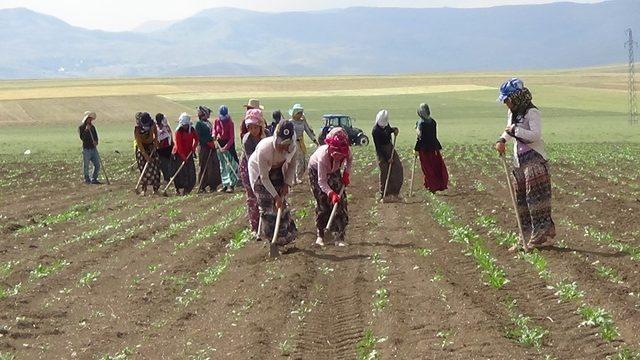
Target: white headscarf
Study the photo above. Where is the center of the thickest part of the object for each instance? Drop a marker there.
(382, 119)
(88, 114)
(183, 120)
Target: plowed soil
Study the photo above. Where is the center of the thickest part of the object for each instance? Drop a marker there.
(131, 279)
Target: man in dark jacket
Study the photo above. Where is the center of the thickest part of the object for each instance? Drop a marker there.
(89, 137)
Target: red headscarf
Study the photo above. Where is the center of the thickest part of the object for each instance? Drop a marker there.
(338, 143)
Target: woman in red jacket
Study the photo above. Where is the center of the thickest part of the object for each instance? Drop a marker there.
(186, 140)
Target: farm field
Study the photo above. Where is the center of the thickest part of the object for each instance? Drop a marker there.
(97, 272)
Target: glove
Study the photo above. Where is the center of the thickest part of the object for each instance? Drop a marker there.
(334, 198)
(345, 178)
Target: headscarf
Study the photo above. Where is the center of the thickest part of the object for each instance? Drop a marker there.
(277, 116)
(285, 133)
(424, 112)
(138, 119)
(146, 122)
(254, 117)
(161, 119)
(297, 108)
(203, 112)
(87, 115)
(224, 113)
(382, 119)
(338, 143)
(184, 120)
(508, 88)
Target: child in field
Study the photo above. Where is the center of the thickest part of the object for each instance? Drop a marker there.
(327, 179)
(531, 173)
(428, 149)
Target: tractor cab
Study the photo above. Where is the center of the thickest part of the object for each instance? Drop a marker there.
(356, 136)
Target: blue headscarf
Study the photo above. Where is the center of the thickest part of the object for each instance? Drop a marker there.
(224, 113)
(509, 88)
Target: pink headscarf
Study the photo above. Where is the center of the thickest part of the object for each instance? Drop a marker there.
(338, 143)
(254, 117)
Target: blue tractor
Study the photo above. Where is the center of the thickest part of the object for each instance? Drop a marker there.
(356, 136)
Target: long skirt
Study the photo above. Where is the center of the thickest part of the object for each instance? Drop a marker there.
(209, 169)
(300, 159)
(253, 213)
(152, 175)
(268, 212)
(324, 206)
(186, 178)
(397, 172)
(533, 197)
(228, 169)
(436, 176)
(164, 155)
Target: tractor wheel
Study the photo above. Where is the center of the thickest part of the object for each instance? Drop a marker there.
(363, 140)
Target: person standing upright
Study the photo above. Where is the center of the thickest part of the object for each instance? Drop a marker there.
(89, 136)
(301, 127)
(531, 172)
(436, 176)
(208, 156)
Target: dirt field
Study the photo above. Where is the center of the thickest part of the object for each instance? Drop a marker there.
(92, 272)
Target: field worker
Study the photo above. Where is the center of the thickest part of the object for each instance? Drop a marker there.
(89, 137)
(255, 133)
(327, 179)
(271, 174)
(186, 141)
(251, 104)
(301, 126)
(387, 155)
(436, 177)
(532, 181)
(209, 165)
(224, 134)
(165, 145)
(146, 135)
(277, 117)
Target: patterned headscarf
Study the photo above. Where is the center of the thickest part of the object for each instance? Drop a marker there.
(138, 119)
(204, 113)
(522, 103)
(254, 117)
(338, 143)
(146, 122)
(424, 112)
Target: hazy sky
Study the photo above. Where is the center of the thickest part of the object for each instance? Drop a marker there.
(127, 14)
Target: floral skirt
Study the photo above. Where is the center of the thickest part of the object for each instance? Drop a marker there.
(268, 211)
(324, 206)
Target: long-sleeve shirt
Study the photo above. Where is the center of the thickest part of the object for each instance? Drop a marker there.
(223, 130)
(302, 126)
(143, 138)
(267, 157)
(204, 129)
(427, 135)
(528, 134)
(85, 136)
(186, 142)
(382, 137)
(322, 161)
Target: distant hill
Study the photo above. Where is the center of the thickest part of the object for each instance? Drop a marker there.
(226, 41)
